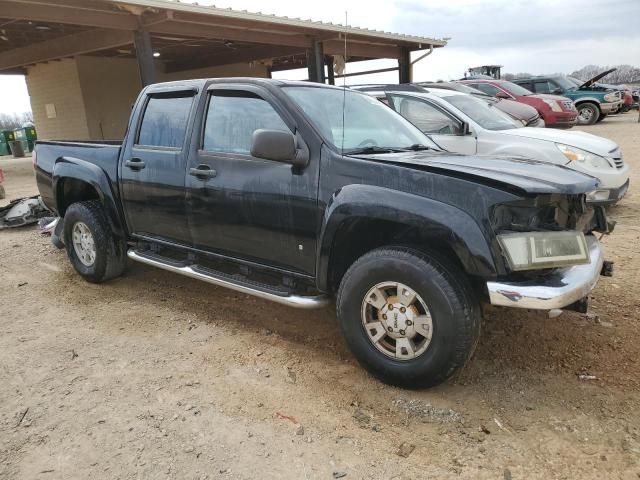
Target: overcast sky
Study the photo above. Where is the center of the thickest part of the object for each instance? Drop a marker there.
(536, 36)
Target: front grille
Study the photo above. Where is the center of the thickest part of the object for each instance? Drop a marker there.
(616, 156)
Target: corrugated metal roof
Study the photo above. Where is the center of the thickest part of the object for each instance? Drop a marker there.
(176, 5)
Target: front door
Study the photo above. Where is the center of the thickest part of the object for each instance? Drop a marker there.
(246, 207)
(153, 168)
(441, 126)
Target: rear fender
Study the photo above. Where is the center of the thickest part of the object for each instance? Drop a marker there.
(442, 222)
(77, 169)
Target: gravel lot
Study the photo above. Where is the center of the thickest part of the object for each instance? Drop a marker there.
(158, 376)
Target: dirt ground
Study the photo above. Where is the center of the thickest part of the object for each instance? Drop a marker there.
(158, 376)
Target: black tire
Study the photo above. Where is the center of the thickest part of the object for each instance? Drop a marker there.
(588, 109)
(110, 252)
(2, 193)
(601, 117)
(455, 313)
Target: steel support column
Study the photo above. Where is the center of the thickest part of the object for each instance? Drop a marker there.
(330, 72)
(144, 56)
(404, 66)
(315, 62)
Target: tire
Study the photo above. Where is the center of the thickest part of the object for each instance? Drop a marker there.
(440, 285)
(2, 193)
(601, 117)
(588, 113)
(109, 258)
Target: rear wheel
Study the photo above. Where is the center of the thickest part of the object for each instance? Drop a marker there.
(93, 250)
(588, 113)
(410, 318)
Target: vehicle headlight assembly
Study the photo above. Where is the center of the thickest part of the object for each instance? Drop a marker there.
(574, 154)
(540, 250)
(611, 97)
(555, 106)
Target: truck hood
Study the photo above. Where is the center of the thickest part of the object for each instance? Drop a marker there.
(511, 173)
(586, 141)
(593, 80)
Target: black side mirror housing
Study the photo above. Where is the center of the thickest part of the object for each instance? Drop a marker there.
(277, 145)
(464, 129)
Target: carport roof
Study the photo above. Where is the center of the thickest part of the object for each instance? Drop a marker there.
(185, 35)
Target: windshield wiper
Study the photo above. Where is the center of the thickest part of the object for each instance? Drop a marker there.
(373, 149)
(418, 146)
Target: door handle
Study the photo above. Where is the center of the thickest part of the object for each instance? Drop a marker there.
(203, 171)
(134, 164)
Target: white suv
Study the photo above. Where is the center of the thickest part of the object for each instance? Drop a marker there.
(463, 124)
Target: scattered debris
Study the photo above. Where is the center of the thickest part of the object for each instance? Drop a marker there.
(74, 355)
(299, 430)
(556, 312)
(586, 376)
(22, 211)
(48, 224)
(405, 449)
(484, 429)
(290, 375)
(502, 427)
(427, 412)
(287, 417)
(592, 317)
(507, 474)
(21, 416)
(361, 417)
(339, 474)
(22, 284)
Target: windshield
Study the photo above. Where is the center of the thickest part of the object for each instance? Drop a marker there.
(515, 89)
(575, 81)
(482, 113)
(565, 83)
(367, 121)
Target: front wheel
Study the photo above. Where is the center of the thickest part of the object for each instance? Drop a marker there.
(410, 318)
(588, 113)
(95, 253)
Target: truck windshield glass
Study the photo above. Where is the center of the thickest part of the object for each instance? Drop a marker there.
(367, 122)
(482, 113)
(565, 83)
(514, 89)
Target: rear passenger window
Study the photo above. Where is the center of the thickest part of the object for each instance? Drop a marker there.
(164, 123)
(232, 117)
(487, 88)
(543, 86)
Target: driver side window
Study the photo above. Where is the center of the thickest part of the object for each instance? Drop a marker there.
(425, 116)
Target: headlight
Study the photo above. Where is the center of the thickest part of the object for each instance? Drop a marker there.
(611, 97)
(555, 106)
(574, 154)
(537, 250)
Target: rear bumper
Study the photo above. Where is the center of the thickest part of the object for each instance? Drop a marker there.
(558, 289)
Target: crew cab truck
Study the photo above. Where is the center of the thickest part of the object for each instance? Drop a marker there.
(299, 193)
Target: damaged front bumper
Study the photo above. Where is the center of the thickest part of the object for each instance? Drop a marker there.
(559, 289)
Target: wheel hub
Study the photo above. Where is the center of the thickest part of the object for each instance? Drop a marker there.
(397, 320)
(84, 244)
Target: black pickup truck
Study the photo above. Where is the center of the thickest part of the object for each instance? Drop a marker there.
(298, 193)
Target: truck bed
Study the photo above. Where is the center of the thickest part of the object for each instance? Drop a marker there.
(104, 154)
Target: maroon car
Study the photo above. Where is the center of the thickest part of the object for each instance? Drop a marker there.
(557, 111)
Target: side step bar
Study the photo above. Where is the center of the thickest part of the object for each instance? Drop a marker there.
(210, 277)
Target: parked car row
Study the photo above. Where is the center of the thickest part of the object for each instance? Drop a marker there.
(465, 124)
(298, 193)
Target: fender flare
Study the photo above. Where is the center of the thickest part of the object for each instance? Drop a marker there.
(97, 178)
(588, 99)
(448, 223)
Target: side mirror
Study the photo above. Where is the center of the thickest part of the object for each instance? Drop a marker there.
(557, 91)
(276, 145)
(502, 95)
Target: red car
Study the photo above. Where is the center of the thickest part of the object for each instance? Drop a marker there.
(557, 111)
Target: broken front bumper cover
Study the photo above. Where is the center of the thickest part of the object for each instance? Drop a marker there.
(558, 289)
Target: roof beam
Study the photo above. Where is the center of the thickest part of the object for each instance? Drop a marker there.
(226, 33)
(237, 56)
(67, 14)
(336, 47)
(71, 45)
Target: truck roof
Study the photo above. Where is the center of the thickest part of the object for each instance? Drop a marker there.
(203, 82)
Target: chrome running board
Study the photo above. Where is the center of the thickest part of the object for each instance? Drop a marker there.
(222, 280)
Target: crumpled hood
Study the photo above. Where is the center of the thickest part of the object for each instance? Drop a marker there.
(522, 174)
(575, 138)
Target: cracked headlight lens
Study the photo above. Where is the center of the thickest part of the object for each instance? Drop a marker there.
(538, 250)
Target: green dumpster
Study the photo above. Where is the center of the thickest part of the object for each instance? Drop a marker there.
(27, 136)
(6, 136)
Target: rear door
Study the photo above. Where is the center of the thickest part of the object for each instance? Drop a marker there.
(246, 207)
(153, 166)
(442, 126)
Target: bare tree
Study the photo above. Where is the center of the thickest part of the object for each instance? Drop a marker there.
(11, 121)
(622, 74)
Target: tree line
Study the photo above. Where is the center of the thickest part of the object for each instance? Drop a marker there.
(11, 121)
(622, 74)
